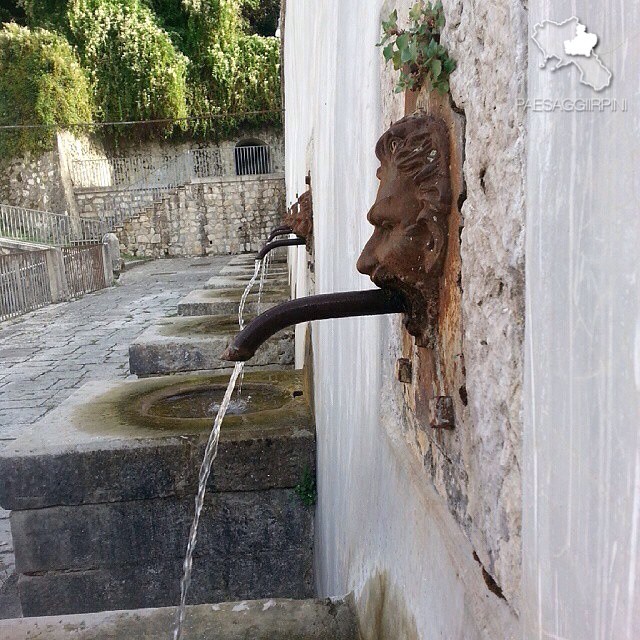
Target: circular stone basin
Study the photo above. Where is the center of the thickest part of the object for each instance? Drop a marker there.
(189, 407)
(205, 402)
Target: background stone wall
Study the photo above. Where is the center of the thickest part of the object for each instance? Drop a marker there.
(101, 201)
(34, 182)
(216, 216)
(45, 182)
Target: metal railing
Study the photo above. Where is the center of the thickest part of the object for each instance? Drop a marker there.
(44, 227)
(84, 269)
(146, 171)
(24, 283)
(31, 225)
(252, 160)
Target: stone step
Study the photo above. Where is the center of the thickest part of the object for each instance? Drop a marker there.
(174, 345)
(237, 281)
(211, 302)
(274, 619)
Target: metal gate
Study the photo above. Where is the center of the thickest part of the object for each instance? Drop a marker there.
(84, 269)
(24, 283)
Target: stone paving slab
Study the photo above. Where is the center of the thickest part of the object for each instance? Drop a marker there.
(48, 354)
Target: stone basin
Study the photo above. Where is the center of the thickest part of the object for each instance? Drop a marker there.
(194, 343)
(209, 302)
(247, 272)
(102, 492)
(255, 620)
(237, 281)
(189, 406)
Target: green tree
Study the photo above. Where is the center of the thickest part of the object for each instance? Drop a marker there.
(231, 72)
(41, 83)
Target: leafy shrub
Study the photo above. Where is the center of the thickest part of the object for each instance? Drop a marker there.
(41, 83)
(231, 72)
(48, 14)
(161, 59)
(261, 16)
(135, 70)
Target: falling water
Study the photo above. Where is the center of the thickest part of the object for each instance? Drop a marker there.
(263, 273)
(210, 453)
(246, 292)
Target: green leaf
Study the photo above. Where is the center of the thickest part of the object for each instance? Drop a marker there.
(387, 52)
(449, 65)
(415, 12)
(397, 61)
(408, 53)
(402, 41)
(436, 68)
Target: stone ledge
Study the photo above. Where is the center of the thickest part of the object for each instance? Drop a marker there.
(195, 343)
(273, 619)
(87, 451)
(208, 302)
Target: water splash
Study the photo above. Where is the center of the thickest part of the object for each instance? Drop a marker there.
(210, 453)
(246, 292)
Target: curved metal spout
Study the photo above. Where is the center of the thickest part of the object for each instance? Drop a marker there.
(279, 231)
(270, 246)
(322, 307)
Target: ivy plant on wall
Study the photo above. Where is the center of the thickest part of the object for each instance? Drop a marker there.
(416, 51)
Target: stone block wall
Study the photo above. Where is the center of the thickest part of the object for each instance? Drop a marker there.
(214, 216)
(34, 182)
(106, 201)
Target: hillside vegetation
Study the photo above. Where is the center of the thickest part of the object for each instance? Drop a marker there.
(68, 61)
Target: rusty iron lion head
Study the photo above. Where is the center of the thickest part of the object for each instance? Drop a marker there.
(410, 217)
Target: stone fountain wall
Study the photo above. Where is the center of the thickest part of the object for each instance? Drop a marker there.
(440, 553)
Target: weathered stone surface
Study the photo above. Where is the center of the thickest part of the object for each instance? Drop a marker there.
(217, 215)
(237, 281)
(144, 532)
(492, 250)
(102, 496)
(195, 343)
(278, 574)
(278, 269)
(207, 302)
(274, 619)
(89, 451)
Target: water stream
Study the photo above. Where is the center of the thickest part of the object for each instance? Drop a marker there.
(261, 268)
(246, 292)
(210, 453)
(263, 274)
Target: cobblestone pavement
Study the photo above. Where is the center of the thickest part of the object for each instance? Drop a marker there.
(47, 354)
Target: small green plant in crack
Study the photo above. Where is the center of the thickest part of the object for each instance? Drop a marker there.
(416, 51)
(306, 489)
